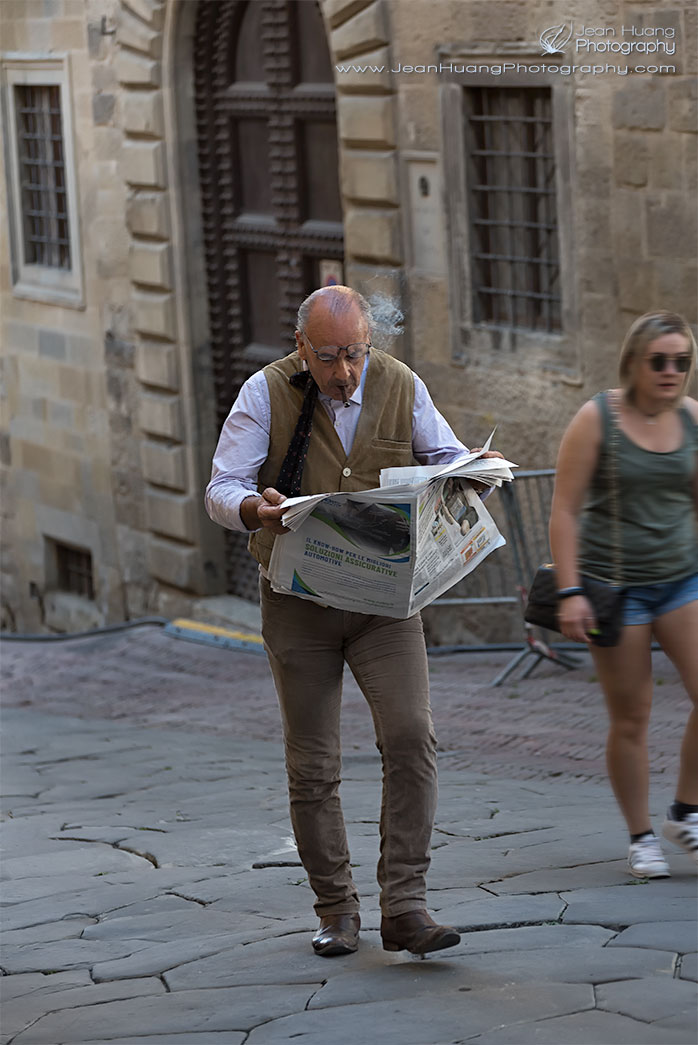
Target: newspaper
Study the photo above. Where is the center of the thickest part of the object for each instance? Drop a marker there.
(394, 549)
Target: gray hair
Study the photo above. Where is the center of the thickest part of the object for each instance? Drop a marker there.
(645, 330)
(339, 299)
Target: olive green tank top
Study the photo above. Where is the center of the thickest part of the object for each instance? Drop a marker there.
(656, 494)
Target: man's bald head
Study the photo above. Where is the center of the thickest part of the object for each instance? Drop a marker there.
(334, 303)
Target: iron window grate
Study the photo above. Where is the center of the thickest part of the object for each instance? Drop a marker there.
(74, 570)
(43, 191)
(513, 208)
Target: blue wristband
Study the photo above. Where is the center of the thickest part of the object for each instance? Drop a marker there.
(566, 593)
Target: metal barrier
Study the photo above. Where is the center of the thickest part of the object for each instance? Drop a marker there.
(521, 510)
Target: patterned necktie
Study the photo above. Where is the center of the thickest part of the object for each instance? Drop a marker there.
(291, 473)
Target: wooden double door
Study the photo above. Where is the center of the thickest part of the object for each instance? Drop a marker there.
(268, 167)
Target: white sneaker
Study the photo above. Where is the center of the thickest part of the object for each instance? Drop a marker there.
(646, 859)
(683, 833)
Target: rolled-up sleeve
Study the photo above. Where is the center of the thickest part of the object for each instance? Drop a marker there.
(433, 439)
(242, 448)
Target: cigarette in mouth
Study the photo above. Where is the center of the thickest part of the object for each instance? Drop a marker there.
(344, 395)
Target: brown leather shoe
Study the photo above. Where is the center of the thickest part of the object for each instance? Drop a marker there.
(338, 934)
(416, 932)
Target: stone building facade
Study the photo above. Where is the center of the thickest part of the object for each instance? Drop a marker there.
(112, 347)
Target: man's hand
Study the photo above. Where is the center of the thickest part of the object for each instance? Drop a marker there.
(477, 486)
(265, 511)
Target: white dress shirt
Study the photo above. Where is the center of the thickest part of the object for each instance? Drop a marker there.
(243, 445)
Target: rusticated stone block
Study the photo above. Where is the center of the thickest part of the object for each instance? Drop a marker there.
(666, 168)
(337, 12)
(148, 215)
(635, 284)
(160, 415)
(675, 285)
(690, 165)
(672, 226)
(52, 343)
(68, 34)
(373, 234)
(683, 105)
(151, 263)
(144, 163)
(103, 108)
(497, 20)
(630, 159)
(133, 33)
(164, 465)
(170, 514)
(173, 563)
(370, 176)
(369, 75)
(627, 224)
(366, 31)
(640, 105)
(156, 364)
(368, 121)
(150, 11)
(134, 70)
(154, 314)
(143, 113)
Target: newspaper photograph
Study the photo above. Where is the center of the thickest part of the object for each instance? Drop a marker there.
(390, 550)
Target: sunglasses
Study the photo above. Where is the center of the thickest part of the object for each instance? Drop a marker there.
(659, 362)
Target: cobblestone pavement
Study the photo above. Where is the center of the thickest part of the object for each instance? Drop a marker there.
(152, 893)
(548, 725)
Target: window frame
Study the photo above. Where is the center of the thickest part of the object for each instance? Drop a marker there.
(490, 345)
(45, 283)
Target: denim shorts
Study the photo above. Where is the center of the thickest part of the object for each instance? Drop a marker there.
(645, 604)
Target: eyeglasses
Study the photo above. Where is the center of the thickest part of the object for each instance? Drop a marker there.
(330, 353)
(659, 362)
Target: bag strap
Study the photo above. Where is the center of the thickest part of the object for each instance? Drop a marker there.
(613, 490)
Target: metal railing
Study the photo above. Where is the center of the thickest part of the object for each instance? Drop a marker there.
(521, 511)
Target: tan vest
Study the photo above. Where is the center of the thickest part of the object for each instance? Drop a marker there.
(383, 435)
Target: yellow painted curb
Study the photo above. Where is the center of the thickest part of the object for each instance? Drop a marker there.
(212, 629)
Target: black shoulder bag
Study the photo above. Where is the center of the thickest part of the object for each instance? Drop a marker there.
(606, 599)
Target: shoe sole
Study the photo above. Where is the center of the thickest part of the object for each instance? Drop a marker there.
(649, 874)
(447, 940)
(334, 950)
(671, 834)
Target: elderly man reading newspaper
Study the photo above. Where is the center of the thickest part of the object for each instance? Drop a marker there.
(331, 416)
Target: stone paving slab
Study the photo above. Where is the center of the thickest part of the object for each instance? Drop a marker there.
(674, 935)
(212, 1038)
(689, 967)
(200, 1011)
(87, 860)
(618, 905)
(50, 932)
(18, 1014)
(29, 982)
(456, 972)
(651, 999)
(449, 1017)
(582, 1029)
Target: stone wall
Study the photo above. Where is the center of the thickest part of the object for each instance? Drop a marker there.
(632, 218)
(106, 435)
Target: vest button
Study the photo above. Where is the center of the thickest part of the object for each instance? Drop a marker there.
(346, 472)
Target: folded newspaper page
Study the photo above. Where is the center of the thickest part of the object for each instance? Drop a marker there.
(390, 550)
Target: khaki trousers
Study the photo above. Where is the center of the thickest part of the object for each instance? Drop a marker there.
(307, 646)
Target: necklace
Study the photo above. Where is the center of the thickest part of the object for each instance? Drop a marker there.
(649, 419)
